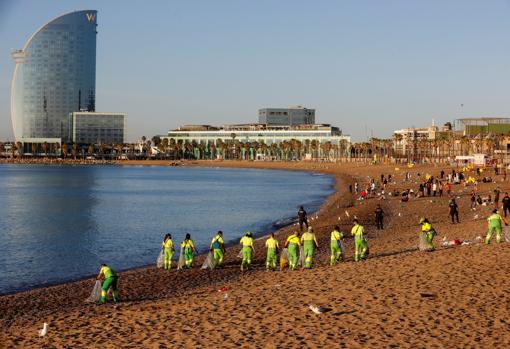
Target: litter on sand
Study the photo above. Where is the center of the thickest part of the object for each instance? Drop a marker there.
(429, 295)
(347, 214)
(318, 309)
(95, 295)
(42, 332)
(181, 262)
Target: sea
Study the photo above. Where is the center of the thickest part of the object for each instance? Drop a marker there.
(59, 223)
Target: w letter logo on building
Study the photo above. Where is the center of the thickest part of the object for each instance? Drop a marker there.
(91, 17)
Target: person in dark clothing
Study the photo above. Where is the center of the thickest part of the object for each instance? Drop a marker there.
(442, 174)
(479, 200)
(302, 218)
(496, 196)
(506, 204)
(350, 188)
(429, 186)
(454, 210)
(473, 201)
(379, 215)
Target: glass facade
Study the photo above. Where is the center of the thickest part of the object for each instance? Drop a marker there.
(97, 128)
(287, 116)
(55, 74)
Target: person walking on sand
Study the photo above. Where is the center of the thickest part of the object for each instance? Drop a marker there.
(360, 242)
(497, 191)
(506, 203)
(302, 218)
(218, 249)
(429, 232)
(310, 244)
(168, 249)
(293, 244)
(247, 243)
(454, 210)
(495, 224)
(379, 216)
(188, 247)
(110, 281)
(336, 246)
(272, 252)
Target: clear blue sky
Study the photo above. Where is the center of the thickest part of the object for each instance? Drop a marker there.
(364, 65)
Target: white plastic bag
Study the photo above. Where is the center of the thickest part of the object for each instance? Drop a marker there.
(240, 254)
(507, 234)
(161, 259)
(95, 295)
(422, 243)
(181, 262)
(284, 259)
(301, 259)
(208, 262)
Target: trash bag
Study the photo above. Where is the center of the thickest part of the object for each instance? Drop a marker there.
(301, 259)
(95, 295)
(181, 263)
(342, 248)
(422, 243)
(507, 234)
(161, 259)
(240, 254)
(208, 262)
(284, 259)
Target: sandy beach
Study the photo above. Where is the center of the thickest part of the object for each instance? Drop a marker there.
(455, 297)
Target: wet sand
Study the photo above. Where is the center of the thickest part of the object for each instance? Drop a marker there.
(400, 297)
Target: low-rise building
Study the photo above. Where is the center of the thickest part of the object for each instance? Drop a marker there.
(97, 128)
(293, 115)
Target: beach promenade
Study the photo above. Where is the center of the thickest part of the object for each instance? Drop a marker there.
(400, 297)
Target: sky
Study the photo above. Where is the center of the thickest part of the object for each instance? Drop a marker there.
(369, 67)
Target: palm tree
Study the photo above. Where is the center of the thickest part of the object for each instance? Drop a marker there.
(326, 148)
(64, 150)
(19, 147)
(75, 150)
(2, 149)
(90, 150)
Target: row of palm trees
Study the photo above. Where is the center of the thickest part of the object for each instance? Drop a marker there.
(376, 149)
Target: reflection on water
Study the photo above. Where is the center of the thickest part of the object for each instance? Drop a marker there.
(57, 223)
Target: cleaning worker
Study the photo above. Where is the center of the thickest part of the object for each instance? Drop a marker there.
(168, 248)
(429, 232)
(310, 243)
(110, 281)
(494, 222)
(360, 242)
(293, 244)
(272, 252)
(218, 249)
(247, 243)
(336, 243)
(188, 247)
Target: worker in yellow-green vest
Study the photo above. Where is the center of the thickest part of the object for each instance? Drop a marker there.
(310, 243)
(293, 244)
(188, 247)
(110, 281)
(247, 243)
(336, 246)
(272, 252)
(429, 232)
(360, 242)
(168, 248)
(218, 249)
(495, 224)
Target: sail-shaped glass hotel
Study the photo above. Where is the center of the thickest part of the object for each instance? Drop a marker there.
(55, 75)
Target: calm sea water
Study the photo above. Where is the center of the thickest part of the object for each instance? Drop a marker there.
(58, 223)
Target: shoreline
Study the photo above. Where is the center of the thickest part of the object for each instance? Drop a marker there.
(278, 166)
(264, 230)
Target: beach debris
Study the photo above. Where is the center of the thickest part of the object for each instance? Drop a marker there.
(428, 295)
(181, 262)
(240, 254)
(42, 332)
(475, 217)
(95, 295)
(346, 213)
(277, 285)
(466, 243)
(478, 238)
(400, 214)
(451, 243)
(507, 234)
(318, 309)
(339, 218)
(223, 289)
(161, 259)
(225, 297)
